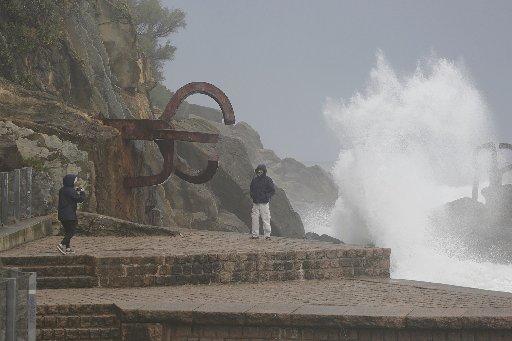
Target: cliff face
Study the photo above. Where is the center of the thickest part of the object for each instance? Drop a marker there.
(50, 119)
(91, 71)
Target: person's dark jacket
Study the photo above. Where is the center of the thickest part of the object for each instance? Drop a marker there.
(68, 198)
(262, 187)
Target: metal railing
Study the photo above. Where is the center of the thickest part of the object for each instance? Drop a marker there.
(15, 195)
(17, 305)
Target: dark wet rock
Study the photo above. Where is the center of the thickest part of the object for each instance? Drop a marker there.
(324, 238)
(473, 230)
(10, 157)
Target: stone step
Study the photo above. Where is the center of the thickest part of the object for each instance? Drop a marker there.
(26, 261)
(67, 282)
(60, 271)
(79, 334)
(241, 267)
(76, 321)
(72, 309)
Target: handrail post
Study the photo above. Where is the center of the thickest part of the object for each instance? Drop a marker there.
(31, 307)
(16, 187)
(26, 192)
(4, 198)
(11, 310)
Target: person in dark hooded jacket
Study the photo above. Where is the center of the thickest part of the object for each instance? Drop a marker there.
(262, 190)
(68, 199)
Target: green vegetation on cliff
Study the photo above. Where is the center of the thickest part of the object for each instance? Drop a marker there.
(155, 23)
(27, 28)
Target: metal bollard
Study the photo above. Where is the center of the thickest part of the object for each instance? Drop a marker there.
(26, 193)
(31, 307)
(16, 187)
(11, 310)
(4, 198)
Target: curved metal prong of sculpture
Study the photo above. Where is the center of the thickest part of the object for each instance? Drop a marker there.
(163, 132)
(495, 173)
(200, 88)
(476, 181)
(228, 116)
(508, 167)
(201, 177)
(167, 149)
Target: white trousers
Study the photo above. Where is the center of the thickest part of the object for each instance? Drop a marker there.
(262, 210)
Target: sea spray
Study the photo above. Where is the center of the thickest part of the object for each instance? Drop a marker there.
(408, 145)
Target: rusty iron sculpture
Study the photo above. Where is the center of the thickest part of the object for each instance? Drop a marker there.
(495, 173)
(164, 133)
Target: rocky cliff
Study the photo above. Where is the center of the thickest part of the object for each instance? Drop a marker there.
(52, 101)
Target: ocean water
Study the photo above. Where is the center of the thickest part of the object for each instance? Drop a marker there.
(408, 148)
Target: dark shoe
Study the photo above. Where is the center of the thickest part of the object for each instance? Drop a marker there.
(267, 238)
(61, 248)
(254, 237)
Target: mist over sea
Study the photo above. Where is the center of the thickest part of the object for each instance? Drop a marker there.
(408, 142)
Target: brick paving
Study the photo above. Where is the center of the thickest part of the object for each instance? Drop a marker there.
(189, 242)
(340, 292)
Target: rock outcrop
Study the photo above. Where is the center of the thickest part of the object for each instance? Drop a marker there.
(473, 230)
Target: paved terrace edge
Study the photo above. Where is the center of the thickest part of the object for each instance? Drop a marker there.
(292, 315)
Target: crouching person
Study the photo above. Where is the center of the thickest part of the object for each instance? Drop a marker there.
(68, 199)
(262, 190)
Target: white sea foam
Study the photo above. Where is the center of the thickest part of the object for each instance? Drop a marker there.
(408, 144)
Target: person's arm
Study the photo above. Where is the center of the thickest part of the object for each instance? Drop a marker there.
(271, 189)
(77, 196)
(252, 189)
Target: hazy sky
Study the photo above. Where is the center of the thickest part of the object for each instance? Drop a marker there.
(278, 60)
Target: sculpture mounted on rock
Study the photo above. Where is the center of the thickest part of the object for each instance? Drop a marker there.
(498, 197)
(164, 133)
(473, 229)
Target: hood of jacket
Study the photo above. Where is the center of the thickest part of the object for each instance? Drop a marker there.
(69, 180)
(261, 167)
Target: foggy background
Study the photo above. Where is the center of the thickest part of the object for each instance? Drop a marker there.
(278, 61)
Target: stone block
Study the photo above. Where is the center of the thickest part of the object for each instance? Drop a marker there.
(59, 334)
(187, 269)
(404, 335)
(72, 334)
(197, 268)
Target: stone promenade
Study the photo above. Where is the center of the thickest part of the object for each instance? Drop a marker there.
(342, 309)
(204, 286)
(376, 293)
